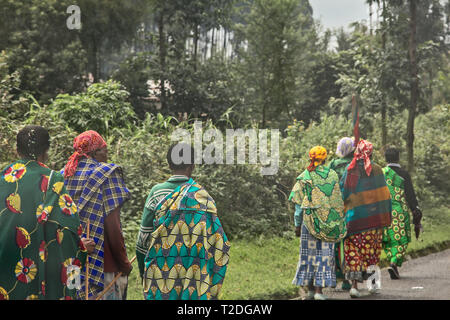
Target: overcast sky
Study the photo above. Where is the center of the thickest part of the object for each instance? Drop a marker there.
(340, 13)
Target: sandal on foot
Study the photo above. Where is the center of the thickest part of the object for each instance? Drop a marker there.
(374, 291)
(354, 293)
(346, 286)
(310, 295)
(320, 296)
(393, 272)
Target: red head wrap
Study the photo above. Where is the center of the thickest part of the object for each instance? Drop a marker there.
(363, 151)
(83, 144)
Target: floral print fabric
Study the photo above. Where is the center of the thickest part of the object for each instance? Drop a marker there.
(361, 251)
(397, 236)
(39, 234)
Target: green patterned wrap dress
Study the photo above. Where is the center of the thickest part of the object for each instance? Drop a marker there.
(323, 224)
(41, 252)
(340, 165)
(189, 251)
(397, 236)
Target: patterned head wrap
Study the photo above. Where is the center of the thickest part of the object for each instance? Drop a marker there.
(317, 155)
(363, 151)
(345, 147)
(83, 144)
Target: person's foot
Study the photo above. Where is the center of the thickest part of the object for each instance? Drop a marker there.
(346, 286)
(393, 272)
(310, 295)
(374, 290)
(354, 293)
(320, 296)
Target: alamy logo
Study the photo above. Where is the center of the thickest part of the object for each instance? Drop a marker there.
(222, 151)
(73, 22)
(374, 280)
(73, 277)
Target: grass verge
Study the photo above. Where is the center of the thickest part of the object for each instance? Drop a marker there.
(263, 268)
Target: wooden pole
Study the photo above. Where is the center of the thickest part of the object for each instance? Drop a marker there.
(87, 265)
(108, 287)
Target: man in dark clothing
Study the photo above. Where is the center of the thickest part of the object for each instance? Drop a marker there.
(397, 236)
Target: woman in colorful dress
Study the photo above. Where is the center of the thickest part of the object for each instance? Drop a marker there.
(99, 190)
(397, 236)
(345, 149)
(41, 252)
(368, 210)
(181, 174)
(320, 222)
(188, 251)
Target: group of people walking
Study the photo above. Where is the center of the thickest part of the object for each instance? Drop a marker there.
(347, 212)
(61, 234)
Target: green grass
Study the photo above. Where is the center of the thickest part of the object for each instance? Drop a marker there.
(263, 268)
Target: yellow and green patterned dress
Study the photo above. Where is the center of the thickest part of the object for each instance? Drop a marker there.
(318, 195)
(189, 250)
(40, 246)
(397, 236)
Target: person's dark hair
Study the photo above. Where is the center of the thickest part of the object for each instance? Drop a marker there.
(32, 142)
(180, 156)
(392, 155)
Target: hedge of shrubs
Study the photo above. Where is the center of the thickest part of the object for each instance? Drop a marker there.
(249, 204)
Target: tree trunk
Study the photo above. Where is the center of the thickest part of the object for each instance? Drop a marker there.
(94, 61)
(430, 87)
(195, 46)
(162, 60)
(383, 102)
(205, 52)
(264, 95)
(212, 42)
(225, 43)
(383, 124)
(414, 84)
(263, 123)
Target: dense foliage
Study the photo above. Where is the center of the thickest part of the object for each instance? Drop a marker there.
(249, 204)
(232, 64)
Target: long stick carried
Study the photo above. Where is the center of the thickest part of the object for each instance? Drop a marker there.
(355, 116)
(87, 265)
(108, 287)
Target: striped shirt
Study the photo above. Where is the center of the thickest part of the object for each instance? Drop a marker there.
(367, 199)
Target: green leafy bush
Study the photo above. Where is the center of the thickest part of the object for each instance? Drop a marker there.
(13, 104)
(249, 204)
(101, 107)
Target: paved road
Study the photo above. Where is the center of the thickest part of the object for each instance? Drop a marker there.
(431, 273)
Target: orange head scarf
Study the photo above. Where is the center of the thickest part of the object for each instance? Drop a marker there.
(83, 144)
(317, 155)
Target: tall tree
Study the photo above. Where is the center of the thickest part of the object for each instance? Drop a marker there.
(106, 26)
(414, 82)
(408, 47)
(279, 37)
(177, 68)
(47, 55)
(424, 27)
